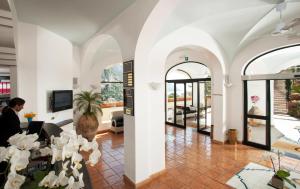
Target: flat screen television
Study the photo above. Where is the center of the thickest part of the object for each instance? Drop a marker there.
(62, 100)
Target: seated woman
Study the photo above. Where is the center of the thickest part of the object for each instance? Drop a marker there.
(9, 120)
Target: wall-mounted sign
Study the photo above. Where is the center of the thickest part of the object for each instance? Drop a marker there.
(129, 101)
(128, 74)
(128, 84)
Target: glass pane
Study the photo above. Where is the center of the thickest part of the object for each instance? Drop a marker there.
(180, 103)
(170, 102)
(189, 94)
(275, 62)
(285, 111)
(257, 97)
(191, 105)
(208, 102)
(256, 131)
(186, 70)
(112, 92)
(205, 106)
(112, 74)
(202, 106)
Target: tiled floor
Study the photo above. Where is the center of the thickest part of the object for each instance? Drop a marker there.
(192, 161)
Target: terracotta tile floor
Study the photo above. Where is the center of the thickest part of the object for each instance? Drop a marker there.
(192, 162)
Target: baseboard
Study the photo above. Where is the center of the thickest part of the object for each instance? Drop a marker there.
(217, 142)
(103, 131)
(129, 181)
(144, 182)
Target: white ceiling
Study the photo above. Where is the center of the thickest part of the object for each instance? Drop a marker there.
(76, 20)
(234, 24)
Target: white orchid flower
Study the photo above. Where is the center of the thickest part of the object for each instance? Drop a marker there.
(78, 165)
(85, 145)
(3, 154)
(80, 180)
(23, 141)
(62, 180)
(58, 142)
(45, 151)
(19, 160)
(75, 172)
(71, 182)
(11, 151)
(14, 181)
(94, 157)
(65, 165)
(68, 150)
(76, 157)
(49, 180)
(94, 144)
(56, 154)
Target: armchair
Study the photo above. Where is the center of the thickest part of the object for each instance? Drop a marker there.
(117, 121)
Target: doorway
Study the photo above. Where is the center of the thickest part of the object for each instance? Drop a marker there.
(272, 113)
(188, 104)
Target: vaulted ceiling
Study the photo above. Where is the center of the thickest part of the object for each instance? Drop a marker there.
(76, 20)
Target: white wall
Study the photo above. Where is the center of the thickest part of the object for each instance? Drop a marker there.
(125, 30)
(44, 64)
(54, 72)
(27, 66)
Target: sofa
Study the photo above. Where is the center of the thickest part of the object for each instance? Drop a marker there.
(117, 121)
(190, 111)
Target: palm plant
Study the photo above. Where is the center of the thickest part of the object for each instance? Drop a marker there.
(88, 103)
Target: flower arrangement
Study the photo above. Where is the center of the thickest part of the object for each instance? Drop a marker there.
(29, 115)
(64, 150)
(254, 99)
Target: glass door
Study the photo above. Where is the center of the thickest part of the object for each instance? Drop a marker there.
(191, 105)
(180, 104)
(188, 104)
(170, 100)
(257, 113)
(204, 110)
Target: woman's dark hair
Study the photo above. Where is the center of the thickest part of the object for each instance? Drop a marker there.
(16, 101)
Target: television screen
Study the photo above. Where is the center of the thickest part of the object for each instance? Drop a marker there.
(62, 100)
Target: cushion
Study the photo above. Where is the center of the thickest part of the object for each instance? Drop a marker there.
(192, 108)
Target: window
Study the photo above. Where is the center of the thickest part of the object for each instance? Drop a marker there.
(112, 84)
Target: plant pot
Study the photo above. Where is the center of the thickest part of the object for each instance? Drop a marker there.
(276, 182)
(87, 126)
(232, 136)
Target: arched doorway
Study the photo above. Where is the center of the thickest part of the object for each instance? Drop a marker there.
(271, 98)
(188, 96)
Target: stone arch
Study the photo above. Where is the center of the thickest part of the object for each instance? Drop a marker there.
(151, 68)
(100, 52)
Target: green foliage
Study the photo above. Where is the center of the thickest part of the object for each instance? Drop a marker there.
(296, 88)
(171, 95)
(284, 175)
(88, 102)
(113, 90)
(114, 73)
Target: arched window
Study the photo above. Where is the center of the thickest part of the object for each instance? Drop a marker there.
(188, 70)
(275, 62)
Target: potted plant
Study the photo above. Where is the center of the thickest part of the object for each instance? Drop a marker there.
(88, 103)
(280, 175)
